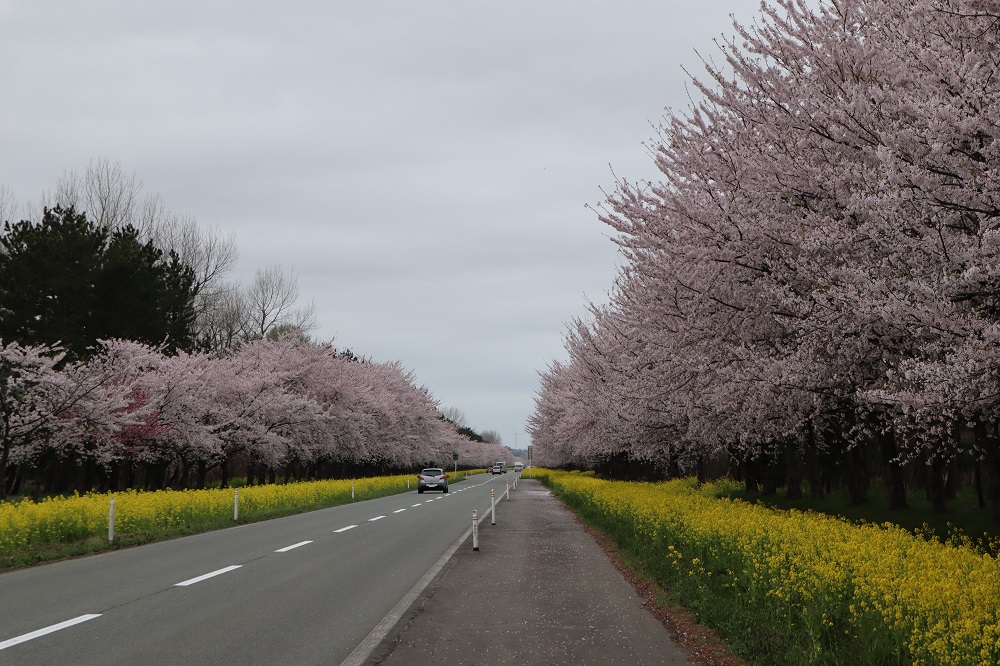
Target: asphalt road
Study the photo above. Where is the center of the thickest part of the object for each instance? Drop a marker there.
(307, 589)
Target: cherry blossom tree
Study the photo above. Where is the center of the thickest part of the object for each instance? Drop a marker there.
(824, 227)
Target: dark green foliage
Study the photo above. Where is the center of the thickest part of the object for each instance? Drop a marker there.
(470, 433)
(67, 280)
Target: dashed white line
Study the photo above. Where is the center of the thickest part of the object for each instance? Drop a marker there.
(294, 545)
(192, 581)
(415, 505)
(399, 510)
(344, 529)
(372, 520)
(426, 501)
(11, 642)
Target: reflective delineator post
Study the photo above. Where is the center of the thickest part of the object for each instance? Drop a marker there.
(407, 484)
(508, 490)
(236, 504)
(475, 530)
(352, 490)
(111, 521)
(493, 506)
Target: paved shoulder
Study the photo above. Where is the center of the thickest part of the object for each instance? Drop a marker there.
(538, 591)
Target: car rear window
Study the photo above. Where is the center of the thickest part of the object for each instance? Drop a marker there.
(433, 471)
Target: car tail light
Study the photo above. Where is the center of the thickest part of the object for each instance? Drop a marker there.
(420, 477)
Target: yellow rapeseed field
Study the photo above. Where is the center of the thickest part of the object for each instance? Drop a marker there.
(27, 524)
(922, 602)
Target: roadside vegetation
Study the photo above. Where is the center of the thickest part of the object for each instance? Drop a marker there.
(799, 587)
(58, 527)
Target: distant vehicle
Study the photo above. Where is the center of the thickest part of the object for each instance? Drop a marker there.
(432, 478)
(518, 467)
(502, 465)
(496, 469)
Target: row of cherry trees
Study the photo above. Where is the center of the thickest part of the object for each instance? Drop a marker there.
(132, 415)
(812, 291)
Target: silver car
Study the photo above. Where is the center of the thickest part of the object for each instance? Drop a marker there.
(432, 478)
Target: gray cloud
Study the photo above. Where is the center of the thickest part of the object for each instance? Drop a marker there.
(422, 167)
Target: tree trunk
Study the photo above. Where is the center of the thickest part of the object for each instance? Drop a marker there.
(857, 475)
(954, 472)
(4, 457)
(894, 480)
(793, 471)
(978, 481)
(251, 471)
(814, 472)
(987, 441)
(769, 476)
(202, 473)
(750, 479)
(17, 476)
(935, 485)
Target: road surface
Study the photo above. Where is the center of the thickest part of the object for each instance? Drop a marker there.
(307, 589)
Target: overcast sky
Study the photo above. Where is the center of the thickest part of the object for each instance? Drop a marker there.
(422, 166)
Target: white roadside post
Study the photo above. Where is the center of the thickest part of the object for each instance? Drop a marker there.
(111, 521)
(475, 530)
(352, 490)
(508, 490)
(236, 505)
(493, 506)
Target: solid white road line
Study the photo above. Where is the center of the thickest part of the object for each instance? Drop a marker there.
(344, 529)
(208, 575)
(399, 510)
(372, 520)
(11, 642)
(381, 630)
(294, 545)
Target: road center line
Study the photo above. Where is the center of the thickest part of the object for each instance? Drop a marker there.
(192, 581)
(11, 642)
(399, 510)
(344, 529)
(372, 520)
(294, 545)
(415, 505)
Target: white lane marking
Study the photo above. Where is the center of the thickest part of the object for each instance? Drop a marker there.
(415, 505)
(294, 545)
(399, 510)
(344, 529)
(192, 581)
(372, 520)
(426, 501)
(11, 642)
